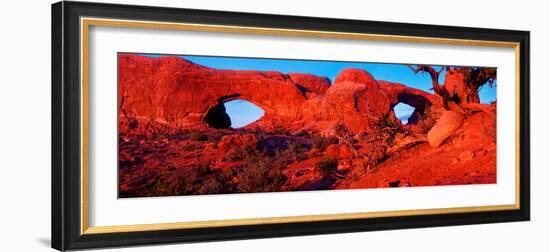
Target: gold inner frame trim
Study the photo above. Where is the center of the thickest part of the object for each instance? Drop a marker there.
(86, 22)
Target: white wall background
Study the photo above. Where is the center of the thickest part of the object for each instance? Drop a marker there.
(25, 125)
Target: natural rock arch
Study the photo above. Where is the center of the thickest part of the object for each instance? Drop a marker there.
(173, 93)
(179, 93)
(399, 93)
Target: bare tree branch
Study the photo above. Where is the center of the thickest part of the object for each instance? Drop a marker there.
(415, 70)
(434, 76)
(440, 70)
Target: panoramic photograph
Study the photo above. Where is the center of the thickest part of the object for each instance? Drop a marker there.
(197, 125)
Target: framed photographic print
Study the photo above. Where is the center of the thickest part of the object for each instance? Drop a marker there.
(179, 125)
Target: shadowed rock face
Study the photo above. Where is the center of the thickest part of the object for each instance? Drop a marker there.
(174, 93)
(217, 118)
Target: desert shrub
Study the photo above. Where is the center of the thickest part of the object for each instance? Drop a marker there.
(219, 182)
(191, 180)
(296, 151)
(197, 135)
(236, 154)
(133, 123)
(301, 156)
(155, 135)
(375, 146)
(168, 183)
(179, 187)
(201, 179)
(216, 135)
(202, 168)
(256, 131)
(189, 147)
(383, 136)
(297, 147)
(262, 173)
(341, 130)
(327, 165)
(302, 133)
(389, 123)
(142, 185)
(239, 153)
(321, 142)
(344, 136)
(280, 131)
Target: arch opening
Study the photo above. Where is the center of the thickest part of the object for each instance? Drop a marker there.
(243, 113)
(403, 112)
(410, 107)
(235, 113)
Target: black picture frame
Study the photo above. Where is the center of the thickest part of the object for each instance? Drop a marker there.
(66, 123)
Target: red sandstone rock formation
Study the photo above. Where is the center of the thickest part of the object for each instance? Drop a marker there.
(419, 99)
(171, 93)
(311, 85)
(453, 143)
(354, 99)
(179, 93)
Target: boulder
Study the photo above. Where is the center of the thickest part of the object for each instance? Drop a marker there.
(445, 127)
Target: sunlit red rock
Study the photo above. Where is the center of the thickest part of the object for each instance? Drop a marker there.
(311, 85)
(170, 93)
(175, 137)
(445, 127)
(178, 93)
(339, 151)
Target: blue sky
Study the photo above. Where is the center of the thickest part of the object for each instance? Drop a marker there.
(242, 112)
